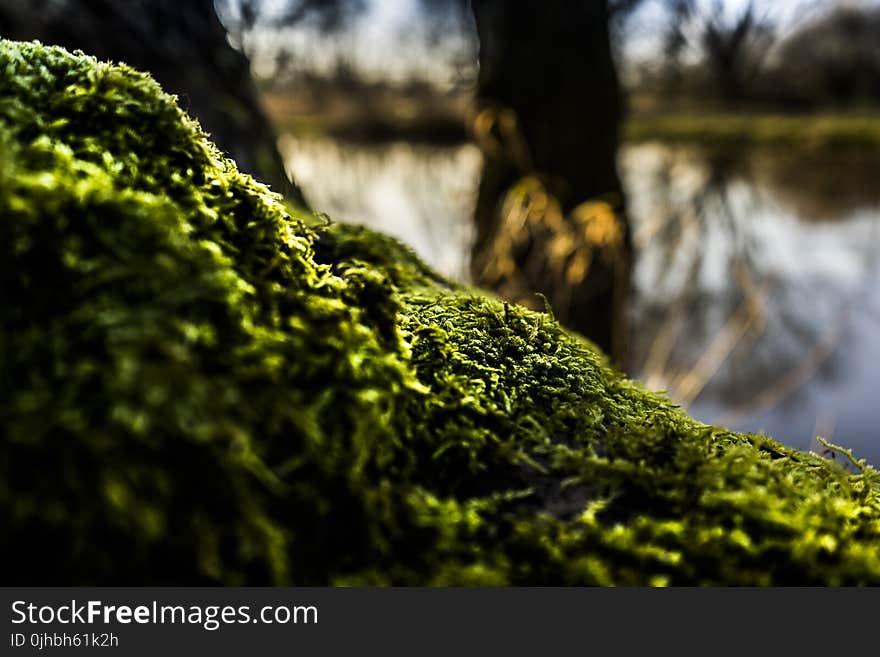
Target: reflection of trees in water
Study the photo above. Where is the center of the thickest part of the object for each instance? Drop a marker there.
(822, 187)
(717, 316)
(422, 194)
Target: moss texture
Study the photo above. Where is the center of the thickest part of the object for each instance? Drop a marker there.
(197, 386)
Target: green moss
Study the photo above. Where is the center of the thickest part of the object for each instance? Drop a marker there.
(198, 387)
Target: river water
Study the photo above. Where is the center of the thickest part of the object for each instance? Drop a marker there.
(756, 299)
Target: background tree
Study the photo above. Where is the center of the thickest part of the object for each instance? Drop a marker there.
(734, 48)
(550, 212)
(730, 44)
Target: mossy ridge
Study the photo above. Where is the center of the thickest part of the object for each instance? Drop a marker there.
(196, 386)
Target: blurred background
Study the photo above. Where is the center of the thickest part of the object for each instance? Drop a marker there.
(690, 183)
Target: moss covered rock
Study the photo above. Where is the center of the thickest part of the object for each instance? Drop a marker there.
(197, 386)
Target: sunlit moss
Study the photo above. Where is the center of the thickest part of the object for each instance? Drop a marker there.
(198, 387)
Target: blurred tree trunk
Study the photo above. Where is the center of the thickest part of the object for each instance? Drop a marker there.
(184, 46)
(550, 213)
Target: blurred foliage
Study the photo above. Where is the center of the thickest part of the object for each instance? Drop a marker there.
(832, 60)
(197, 386)
(826, 56)
(536, 239)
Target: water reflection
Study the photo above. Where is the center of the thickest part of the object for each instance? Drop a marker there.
(423, 195)
(748, 313)
(756, 301)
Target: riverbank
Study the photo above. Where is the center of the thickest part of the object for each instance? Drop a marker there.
(812, 132)
(418, 116)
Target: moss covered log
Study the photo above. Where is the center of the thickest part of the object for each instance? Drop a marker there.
(197, 386)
